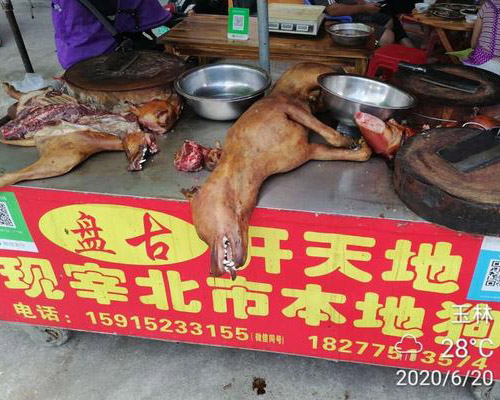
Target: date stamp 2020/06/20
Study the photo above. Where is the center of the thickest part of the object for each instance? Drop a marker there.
(414, 377)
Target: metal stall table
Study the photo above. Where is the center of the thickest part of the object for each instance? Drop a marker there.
(338, 267)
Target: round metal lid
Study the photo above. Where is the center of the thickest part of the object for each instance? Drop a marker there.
(133, 70)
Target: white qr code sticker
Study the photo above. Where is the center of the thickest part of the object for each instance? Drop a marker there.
(238, 22)
(492, 280)
(6, 220)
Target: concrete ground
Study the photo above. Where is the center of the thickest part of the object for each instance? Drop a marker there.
(99, 367)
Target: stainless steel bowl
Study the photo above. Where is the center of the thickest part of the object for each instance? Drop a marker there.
(350, 34)
(344, 95)
(222, 91)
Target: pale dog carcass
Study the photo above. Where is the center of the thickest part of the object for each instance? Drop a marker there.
(66, 133)
(271, 137)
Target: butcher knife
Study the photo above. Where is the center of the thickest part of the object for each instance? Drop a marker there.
(474, 153)
(120, 61)
(440, 78)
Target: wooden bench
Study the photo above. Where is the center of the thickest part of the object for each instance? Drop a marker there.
(206, 36)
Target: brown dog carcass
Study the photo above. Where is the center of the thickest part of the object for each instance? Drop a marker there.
(385, 138)
(67, 133)
(271, 137)
(158, 115)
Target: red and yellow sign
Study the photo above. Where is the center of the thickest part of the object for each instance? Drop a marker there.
(358, 289)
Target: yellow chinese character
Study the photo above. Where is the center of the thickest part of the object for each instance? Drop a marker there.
(272, 338)
(156, 282)
(280, 339)
(242, 293)
(370, 308)
(48, 313)
(94, 282)
(436, 270)
(270, 251)
(264, 337)
(24, 310)
(399, 316)
(313, 305)
(258, 337)
(338, 255)
(487, 331)
(34, 276)
(177, 289)
(400, 257)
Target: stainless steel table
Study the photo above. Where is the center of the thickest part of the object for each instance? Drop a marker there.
(351, 267)
(338, 187)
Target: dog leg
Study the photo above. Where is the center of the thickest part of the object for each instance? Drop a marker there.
(305, 118)
(11, 91)
(60, 154)
(20, 142)
(322, 152)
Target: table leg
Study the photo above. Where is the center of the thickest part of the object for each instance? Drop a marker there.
(446, 44)
(170, 49)
(360, 66)
(16, 32)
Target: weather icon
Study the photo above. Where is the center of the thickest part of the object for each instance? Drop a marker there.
(408, 345)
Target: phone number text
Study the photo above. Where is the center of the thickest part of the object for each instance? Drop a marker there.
(165, 325)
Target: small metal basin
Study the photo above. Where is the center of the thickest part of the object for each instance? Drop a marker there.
(344, 95)
(350, 34)
(222, 92)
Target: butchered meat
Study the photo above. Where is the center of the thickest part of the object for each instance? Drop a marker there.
(193, 157)
(32, 119)
(190, 157)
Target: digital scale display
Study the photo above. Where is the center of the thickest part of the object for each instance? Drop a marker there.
(288, 27)
(295, 19)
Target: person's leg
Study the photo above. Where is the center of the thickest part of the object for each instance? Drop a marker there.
(400, 35)
(382, 24)
(386, 38)
(395, 7)
(386, 23)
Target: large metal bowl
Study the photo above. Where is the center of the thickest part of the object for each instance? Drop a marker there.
(222, 92)
(344, 95)
(350, 34)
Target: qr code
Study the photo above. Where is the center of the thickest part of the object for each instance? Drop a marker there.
(492, 280)
(238, 22)
(6, 220)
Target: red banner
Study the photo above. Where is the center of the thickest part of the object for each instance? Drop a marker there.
(360, 289)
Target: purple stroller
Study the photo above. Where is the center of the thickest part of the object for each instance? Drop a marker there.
(88, 28)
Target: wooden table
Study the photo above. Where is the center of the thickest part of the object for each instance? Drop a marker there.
(440, 25)
(206, 36)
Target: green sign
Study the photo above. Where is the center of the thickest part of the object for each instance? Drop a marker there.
(238, 26)
(14, 234)
(160, 31)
